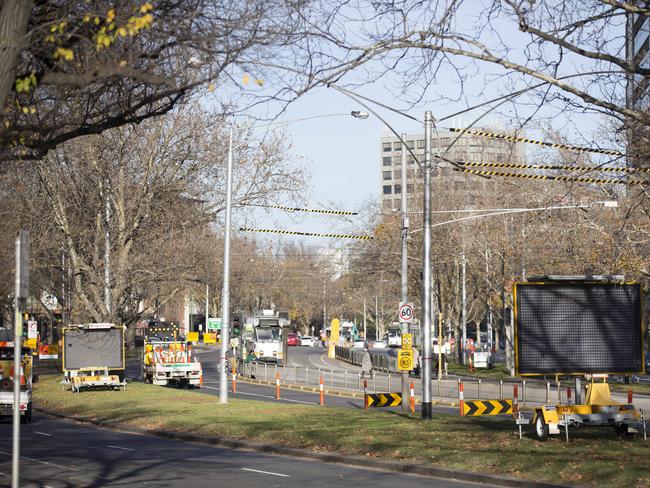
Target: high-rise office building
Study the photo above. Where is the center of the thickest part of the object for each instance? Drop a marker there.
(468, 148)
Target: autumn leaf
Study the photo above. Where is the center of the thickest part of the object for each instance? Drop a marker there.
(246, 78)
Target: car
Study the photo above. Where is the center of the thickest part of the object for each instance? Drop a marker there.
(359, 343)
(307, 341)
(293, 340)
(379, 344)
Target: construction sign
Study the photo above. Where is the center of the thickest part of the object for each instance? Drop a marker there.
(407, 341)
(404, 359)
(476, 408)
(384, 399)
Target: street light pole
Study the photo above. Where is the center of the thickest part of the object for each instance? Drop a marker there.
(463, 311)
(426, 271)
(225, 299)
(404, 274)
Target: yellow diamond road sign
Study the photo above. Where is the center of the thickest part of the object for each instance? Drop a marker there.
(405, 359)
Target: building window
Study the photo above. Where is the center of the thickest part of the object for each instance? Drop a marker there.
(387, 160)
(388, 175)
(409, 188)
(410, 144)
(387, 189)
(398, 189)
(420, 143)
(410, 160)
(397, 146)
(387, 146)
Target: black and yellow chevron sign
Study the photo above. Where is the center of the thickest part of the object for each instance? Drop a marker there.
(384, 399)
(307, 234)
(487, 407)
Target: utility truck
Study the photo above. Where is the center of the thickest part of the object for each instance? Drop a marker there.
(93, 356)
(170, 362)
(7, 382)
(265, 335)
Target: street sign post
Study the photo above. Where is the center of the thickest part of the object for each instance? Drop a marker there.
(405, 312)
(405, 359)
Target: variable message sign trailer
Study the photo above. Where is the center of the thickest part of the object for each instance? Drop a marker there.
(580, 326)
(93, 356)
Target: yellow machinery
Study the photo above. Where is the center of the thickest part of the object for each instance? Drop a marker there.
(599, 409)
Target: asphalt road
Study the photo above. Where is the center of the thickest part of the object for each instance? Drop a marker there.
(58, 453)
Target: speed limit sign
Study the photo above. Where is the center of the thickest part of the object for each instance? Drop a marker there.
(405, 313)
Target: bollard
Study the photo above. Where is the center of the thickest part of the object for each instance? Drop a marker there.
(322, 391)
(277, 386)
(629, 396)
(412, 402)
(548, 392)
(461, 398)
(365, 394)
(500, 389)
(515, 400)
(479, 389)
(568, 395)
(523, 392)
(234, 381)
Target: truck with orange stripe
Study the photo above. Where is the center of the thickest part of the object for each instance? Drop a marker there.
(166, 362)
(7, 383)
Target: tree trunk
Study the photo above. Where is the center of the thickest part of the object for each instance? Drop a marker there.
(14, 17)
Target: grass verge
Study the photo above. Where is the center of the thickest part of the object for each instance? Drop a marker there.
(594, 457)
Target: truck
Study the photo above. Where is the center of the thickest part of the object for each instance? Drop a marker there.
(94, 356)
(265, 332)
(7, 383)
(394, 336)
(170, 362)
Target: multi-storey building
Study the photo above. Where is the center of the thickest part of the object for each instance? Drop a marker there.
(468, 148)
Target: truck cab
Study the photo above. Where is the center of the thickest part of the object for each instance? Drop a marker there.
(7, 383)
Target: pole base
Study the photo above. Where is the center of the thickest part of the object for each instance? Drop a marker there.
(426, 410)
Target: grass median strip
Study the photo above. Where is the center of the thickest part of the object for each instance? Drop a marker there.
(594, 457)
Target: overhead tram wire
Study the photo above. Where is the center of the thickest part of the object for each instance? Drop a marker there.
(297, 209)
(507, 137)
(574, 179)
(558, 167)
(307, 234)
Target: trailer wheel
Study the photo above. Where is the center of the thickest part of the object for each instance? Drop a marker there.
(540, 428)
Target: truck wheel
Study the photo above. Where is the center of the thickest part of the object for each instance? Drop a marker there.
(540, 428)
(622, 430)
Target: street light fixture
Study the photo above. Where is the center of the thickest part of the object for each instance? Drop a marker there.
(225, 300)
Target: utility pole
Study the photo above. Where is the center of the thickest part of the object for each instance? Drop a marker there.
(404, 274)
(377, 331)
(489, 304)
(21, 293)
(207, 307)
(365, 337)
(463, 311)
(225, 296)
(426, 271)
(107, 252)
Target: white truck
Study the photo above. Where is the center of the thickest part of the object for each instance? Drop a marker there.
(267, 341)
(7, 383)
(166, 362)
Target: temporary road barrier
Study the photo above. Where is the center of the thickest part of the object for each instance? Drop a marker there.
(412, 402)
(383, 399)
(322, 391)
(476, 408)
(461, 397)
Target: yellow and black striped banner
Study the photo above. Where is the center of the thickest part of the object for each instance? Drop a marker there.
(559, 167)
(574, 179)
(506, 137)
(310, 210)
(306, 234)
(383, 399)
(476, 408)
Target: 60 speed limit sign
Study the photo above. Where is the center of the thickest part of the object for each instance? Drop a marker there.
(405, 313)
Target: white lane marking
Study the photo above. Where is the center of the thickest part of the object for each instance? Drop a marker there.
(119, 447)
(42, 462)
(265, 472)
(42, 433)
(265, 396)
